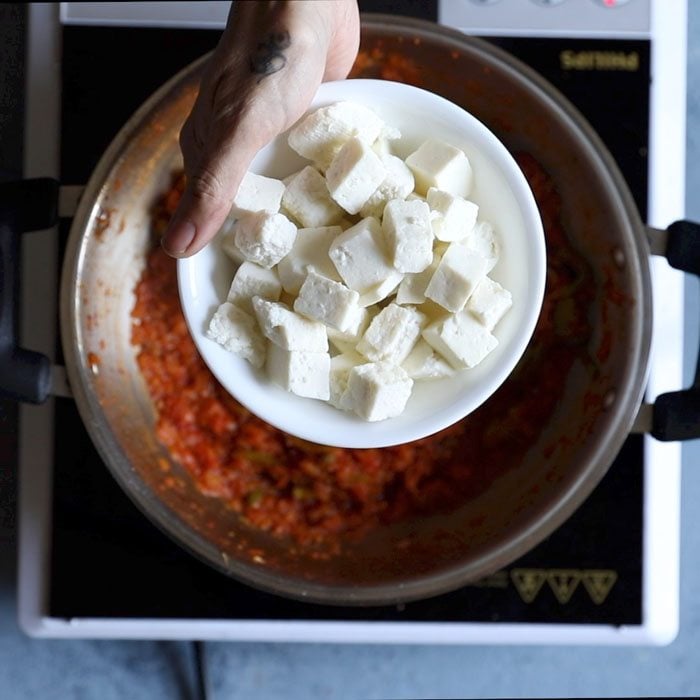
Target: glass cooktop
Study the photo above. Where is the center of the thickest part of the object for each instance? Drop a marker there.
(111, 562)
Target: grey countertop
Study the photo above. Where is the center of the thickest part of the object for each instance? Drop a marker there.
(153, 670)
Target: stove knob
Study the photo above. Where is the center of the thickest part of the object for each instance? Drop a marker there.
(612, 3)
(485, 2)
(548, 3)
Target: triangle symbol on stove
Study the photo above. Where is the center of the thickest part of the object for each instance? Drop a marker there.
(528, 582)
(563, 583)
(598, 583)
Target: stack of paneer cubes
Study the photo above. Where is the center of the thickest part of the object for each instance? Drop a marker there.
(362, 272)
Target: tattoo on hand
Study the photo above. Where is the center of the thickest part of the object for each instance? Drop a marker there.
(269, 55)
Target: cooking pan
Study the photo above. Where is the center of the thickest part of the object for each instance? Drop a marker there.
(549, 465)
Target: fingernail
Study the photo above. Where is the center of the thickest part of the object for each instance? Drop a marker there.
(178, 239)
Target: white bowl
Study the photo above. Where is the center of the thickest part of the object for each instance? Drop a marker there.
(505, 200)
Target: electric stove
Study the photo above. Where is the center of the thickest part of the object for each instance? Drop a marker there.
(91, 565)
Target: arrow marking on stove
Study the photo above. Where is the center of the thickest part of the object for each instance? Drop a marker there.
(599, 583)
(563, 583)
(528, 582)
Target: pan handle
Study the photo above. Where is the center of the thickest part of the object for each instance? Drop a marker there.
(676, 415)
(27, 205)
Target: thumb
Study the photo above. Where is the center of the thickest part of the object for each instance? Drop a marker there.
(204, 205)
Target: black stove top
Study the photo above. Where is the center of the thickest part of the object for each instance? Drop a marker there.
(111, 562)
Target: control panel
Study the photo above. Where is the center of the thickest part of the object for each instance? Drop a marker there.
(565, 18)
(569, 18)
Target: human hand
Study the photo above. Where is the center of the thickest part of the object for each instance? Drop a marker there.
(259, 81)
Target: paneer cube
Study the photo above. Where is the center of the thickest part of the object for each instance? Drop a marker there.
(264, 238)
(489, 302)
(299, 371)
(392, 334)
(354, 174)
(398, 183)
(460, 339)
(413, 286)
(438, 164)
(257, 193)
(377, 390)
(310, 250)
(227, 236)
(456, 277)
(250, 281)
(289, 330)
(286, 180)
(347, 340)
(423, 363)
(321, 134)
(341, 366)
(382, 290)
(408, 235)
(238, 333)
(482, 240)
(359, 256)
(382, 146)
(308, 201)
(452, 217)
(327, 301)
